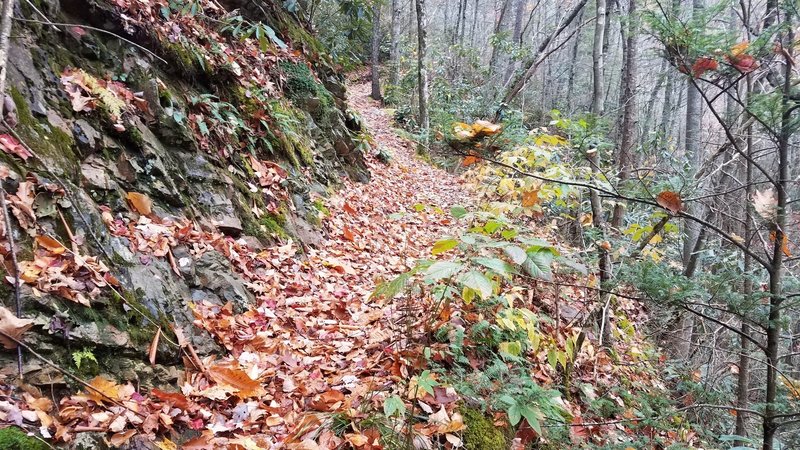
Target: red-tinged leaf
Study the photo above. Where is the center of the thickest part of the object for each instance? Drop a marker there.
(349, 209)
(702, 65)
(347, 233)
(670, 201)
(173, 398)
(744, 63)
(11, 145)
(202, 442)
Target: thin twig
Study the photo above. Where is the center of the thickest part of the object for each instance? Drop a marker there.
(15, 267)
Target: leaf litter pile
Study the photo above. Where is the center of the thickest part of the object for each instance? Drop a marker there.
(321, 357)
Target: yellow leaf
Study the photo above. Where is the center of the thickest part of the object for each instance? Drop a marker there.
(166, 444)
(103, 390)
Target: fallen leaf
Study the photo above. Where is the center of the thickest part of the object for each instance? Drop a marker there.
(140, 202)
(50, 244)
(12, 326)
(238, 379)
(11, 145)
(530, 198)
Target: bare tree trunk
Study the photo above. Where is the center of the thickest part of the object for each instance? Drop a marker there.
(573, 66)
(422, 72)
(394, 51)
(517, 38)
(497, 29)
(593, 155)
(743, 377)
(628, 100)
(5, 33)
(474, 24)
(770, 425)
(376, 51)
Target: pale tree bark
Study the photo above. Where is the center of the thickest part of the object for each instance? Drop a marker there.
(573, 67)
(682, 342)
(376, 50)
(516, 37)
(422, 72)
(628, 100)
(498, 27)
(394, 49)
(5, 33)
(593, 155)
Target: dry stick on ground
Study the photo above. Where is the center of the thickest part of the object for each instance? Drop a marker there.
(69, 374)
(14, 266)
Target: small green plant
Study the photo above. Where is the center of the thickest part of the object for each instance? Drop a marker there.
(80, 356)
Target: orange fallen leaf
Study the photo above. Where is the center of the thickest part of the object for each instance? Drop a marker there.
(348, 234)
(349, 209)
(469, 160)
(50, 244)
(238, 379)
(530, 198)
(103, 390)
(119, 439)
(140, 202)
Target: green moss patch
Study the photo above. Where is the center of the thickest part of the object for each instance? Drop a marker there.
(13, 438)
(481, 432)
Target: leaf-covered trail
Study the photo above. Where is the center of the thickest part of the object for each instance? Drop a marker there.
(319, 343)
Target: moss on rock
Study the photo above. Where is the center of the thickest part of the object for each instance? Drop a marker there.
(13, 438)
(481, 432)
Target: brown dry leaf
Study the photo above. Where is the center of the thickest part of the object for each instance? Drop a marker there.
(13, 326)
(530, 198)
(50, 244)
(140, 202)
(238, 379)
(670, 201)
(119, 439)
(103, 389)
(485, 128)
(154, 347)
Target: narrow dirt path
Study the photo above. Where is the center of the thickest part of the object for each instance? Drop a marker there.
(318, 340)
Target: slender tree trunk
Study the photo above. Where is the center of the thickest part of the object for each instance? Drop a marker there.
(376, 50)
(422, 71)
(573, 66)
(770, 425)
(743, 377)
(517, 37)
(628, 100)
(474, 24)
(495, 47)
(5, 33)
(593, 155)
(394, 51)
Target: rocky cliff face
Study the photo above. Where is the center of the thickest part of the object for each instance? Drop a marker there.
(141, 160)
